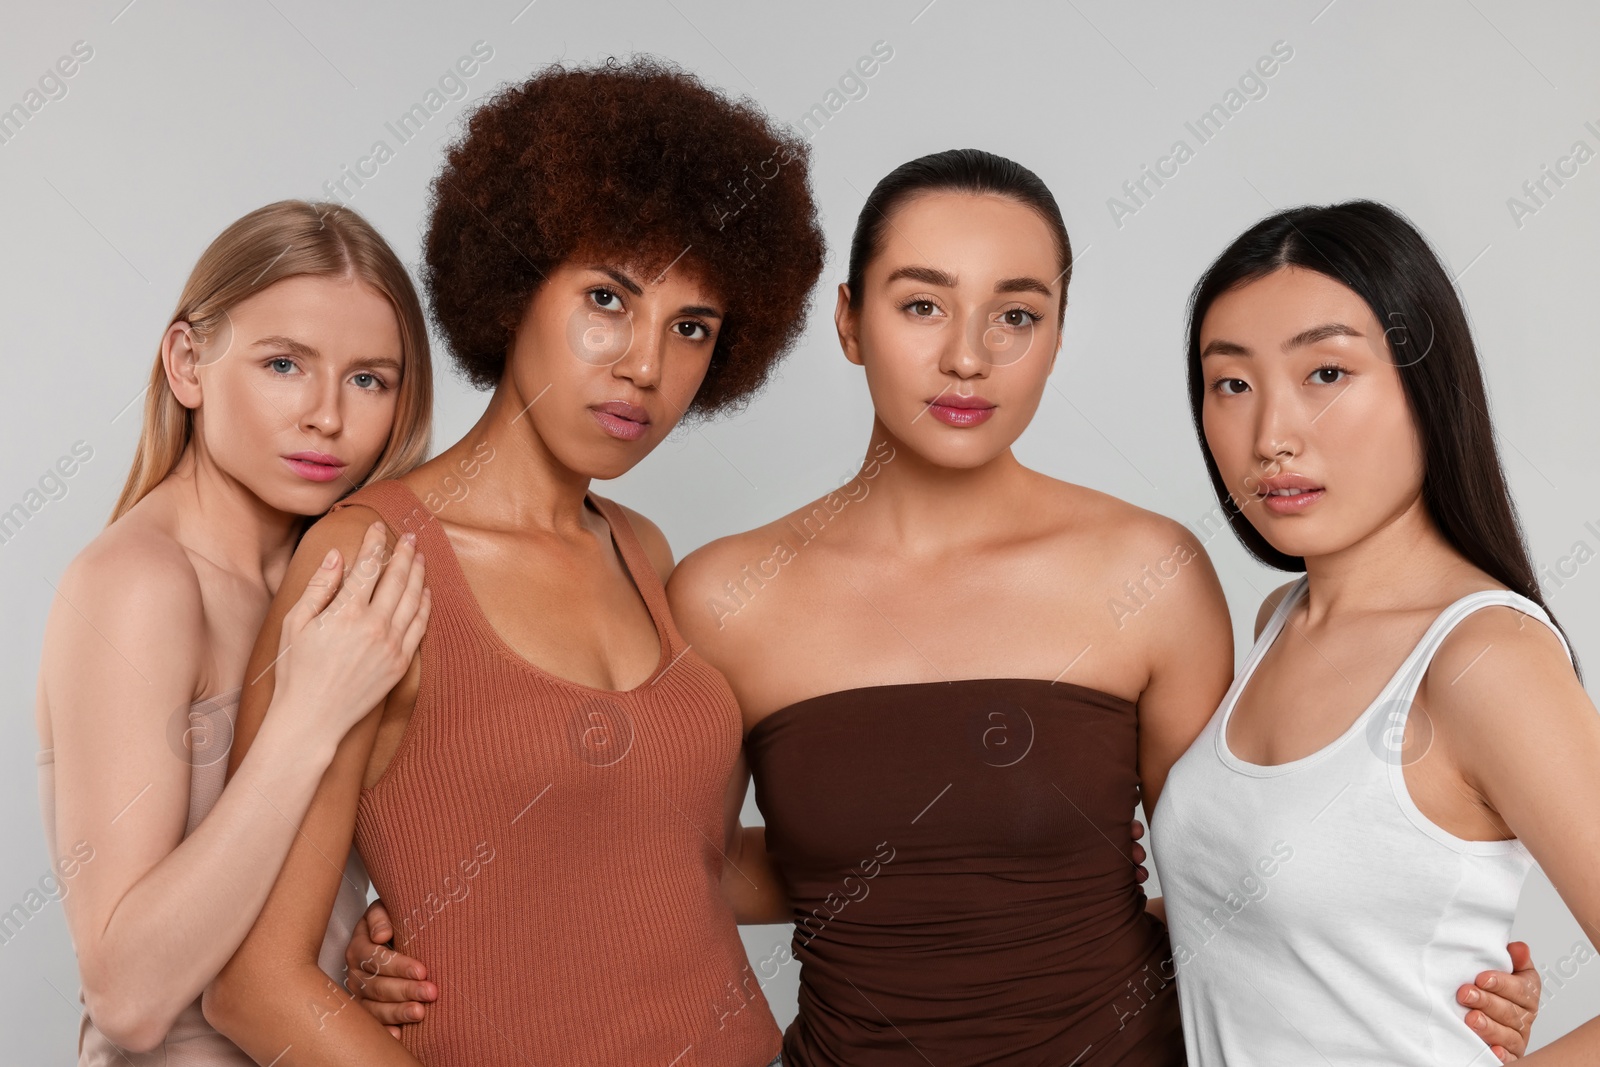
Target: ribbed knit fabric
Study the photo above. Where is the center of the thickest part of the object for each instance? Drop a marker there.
(552, 851)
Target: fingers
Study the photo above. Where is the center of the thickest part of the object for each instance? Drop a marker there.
(409, 599)
(1497, 1021)
(396, 1002)
(362, 577)
(1138, 829)
(379, 961)
(419, 625)
(377, 919)
(1523, 986)
(393, 582)
(317, 594)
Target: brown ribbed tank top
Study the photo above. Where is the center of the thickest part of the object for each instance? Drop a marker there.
(958, 857)
(551, 851)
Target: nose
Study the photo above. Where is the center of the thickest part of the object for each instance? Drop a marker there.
(961, 351)
(1279, 433)
(323, 414)
(641, 364)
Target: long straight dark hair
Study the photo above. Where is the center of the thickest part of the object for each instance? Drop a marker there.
(1377, 253)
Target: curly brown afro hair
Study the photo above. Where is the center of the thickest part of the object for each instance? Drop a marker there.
(638, 160)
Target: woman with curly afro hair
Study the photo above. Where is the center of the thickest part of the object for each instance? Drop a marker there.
(542, 799)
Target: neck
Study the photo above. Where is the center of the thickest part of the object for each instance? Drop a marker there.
(1400, 565)
(221, 520)
(923, 506)
(522, 485)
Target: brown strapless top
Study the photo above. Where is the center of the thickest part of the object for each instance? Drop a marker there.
(959, 858)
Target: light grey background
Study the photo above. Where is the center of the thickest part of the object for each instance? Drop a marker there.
(187, 115)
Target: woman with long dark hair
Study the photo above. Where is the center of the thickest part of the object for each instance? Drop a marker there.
(1349, 835)
(952, 702)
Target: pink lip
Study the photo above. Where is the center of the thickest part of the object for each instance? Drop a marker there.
(624, 421)
(1305, 493)
(315, 466)
(955, 410)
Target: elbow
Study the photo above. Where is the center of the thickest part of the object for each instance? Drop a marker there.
(127, 1019)
(223, 1005)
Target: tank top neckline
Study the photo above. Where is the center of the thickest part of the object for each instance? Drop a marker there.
(789, 710)
(1269, 637)
(629, 551)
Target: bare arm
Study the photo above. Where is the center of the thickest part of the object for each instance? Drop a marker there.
(1526, 739)
(271, 999)
(750, 881)
(1191, 664)
(156, 915)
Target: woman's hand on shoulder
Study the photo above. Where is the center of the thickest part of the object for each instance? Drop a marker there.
(350, 635)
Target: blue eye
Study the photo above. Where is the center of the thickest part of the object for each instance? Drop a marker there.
(369, 381)
(287, 364)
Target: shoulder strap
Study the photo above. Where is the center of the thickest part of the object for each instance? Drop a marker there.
(638, 563)
(1412, 671)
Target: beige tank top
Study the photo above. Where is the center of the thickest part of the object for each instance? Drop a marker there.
(192, 1042)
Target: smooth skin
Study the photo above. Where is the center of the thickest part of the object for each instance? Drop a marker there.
(950, 518)
(1301, 382)
(161, 609)
(592, 333)
(961, 300)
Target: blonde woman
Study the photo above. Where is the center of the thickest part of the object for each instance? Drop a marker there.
(294, 368)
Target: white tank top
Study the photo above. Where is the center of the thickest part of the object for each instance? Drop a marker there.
(1316, 915)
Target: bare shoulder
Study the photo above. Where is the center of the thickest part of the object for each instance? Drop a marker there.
(1498, 658)
(697, 591)
(1120, 536)
(132, 574)
(652, 540)
(344, 530)
(128, 618)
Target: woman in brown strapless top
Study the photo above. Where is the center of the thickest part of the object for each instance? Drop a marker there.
(958, 676)
(958, 858)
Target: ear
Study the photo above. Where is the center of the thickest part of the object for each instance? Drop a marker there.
(846, 321)
(180, 358)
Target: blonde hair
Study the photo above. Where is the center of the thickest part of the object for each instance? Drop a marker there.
(284, 240)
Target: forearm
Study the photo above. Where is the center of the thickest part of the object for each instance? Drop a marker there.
(750, 881)
(291, 1015)
(1579, 1048)
(177, 926)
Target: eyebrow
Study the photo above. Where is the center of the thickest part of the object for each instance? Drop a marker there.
(935, 276)
(705, 311)
(300, 348)
(1220, 347)
(1023, 284)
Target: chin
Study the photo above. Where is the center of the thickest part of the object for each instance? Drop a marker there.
(960, 459)
(1305, 542)
(305, 499)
